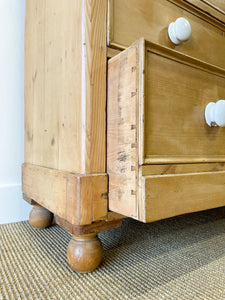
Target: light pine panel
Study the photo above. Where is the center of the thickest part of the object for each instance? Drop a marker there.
(123, 130)
(146, 170)
(176, 96)
(78, 199)
(171, 195)
(172, 91)
(216, 4)
(52, 84)
(130, 19)
(213, 7)
(156, 103)
(65, 84)
(94, 55)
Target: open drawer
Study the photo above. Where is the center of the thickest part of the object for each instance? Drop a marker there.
(156, 104)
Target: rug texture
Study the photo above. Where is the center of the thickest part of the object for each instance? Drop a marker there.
(177, 258)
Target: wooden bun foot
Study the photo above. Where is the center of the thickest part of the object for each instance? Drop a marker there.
(85, 253)
(40, 217)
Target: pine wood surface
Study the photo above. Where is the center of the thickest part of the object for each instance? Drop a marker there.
(171, 195)
(164, 109)
(146, 170)
(152, 19)
(112, 52)
(79, 199)
(84, 253)
(176, 95)
(123, 129)
(65, 109)
(95, 227)
(65, 85)
(156, 100)
(213, 7)
(170, 190)
(40, 217)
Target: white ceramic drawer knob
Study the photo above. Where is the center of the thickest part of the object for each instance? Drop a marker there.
(179, 31)
(215, 113)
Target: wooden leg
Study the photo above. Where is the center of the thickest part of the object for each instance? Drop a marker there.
(40, 217)
(85, 253)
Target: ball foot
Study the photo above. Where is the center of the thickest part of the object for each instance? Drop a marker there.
(40, 217)
(85, 253)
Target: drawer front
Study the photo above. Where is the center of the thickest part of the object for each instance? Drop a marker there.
(176, 94)
(130, 19)
(215, 7)
(172, 195)
(219, 4)
(165, 191)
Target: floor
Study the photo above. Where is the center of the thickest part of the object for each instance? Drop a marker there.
(177, 258)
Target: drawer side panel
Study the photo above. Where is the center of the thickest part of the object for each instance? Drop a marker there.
(124, 73)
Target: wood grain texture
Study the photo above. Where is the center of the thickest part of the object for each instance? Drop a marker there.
(53, 59)
(112, 52)
(171, 195)
(174, 111)
(152, 19)
(146, 170)
(65, 84)
(170, 106)
(84, 253)
(94, 57)
(40, 217)
(123, 129)
(217, 4)
(112, 216)
(215, 8)
(79, 199)
(156, 102)
(95, 227)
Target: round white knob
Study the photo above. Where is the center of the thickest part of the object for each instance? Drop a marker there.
(215, 113)
(179, 31)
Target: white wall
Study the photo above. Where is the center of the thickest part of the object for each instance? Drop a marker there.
(12, 14)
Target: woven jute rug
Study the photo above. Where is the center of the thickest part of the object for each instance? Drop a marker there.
(178, 258)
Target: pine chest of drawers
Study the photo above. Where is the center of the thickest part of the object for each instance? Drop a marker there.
(115, 122)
